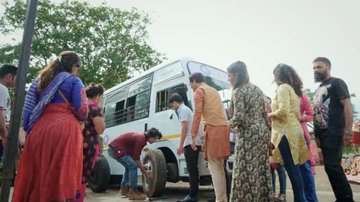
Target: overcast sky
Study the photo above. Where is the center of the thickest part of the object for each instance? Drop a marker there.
(260, 33)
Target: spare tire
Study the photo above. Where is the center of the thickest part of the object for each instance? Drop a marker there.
(100, 175)
(154, 162)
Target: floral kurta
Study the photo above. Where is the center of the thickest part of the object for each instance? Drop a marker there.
(286, 106)
(251, 170)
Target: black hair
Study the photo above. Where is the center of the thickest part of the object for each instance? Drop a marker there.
(63, 63)
(6, 69)
(240, 71)
(287, 74)
(153, 132)
(94, 89)
(197, 77)
(324, 60)
(176, 98)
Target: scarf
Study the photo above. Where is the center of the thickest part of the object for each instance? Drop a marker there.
(35, 101)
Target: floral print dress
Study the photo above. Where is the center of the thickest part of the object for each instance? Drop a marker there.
(251, 169)
(90, 145)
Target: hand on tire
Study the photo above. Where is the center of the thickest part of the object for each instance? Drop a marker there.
(147, 174)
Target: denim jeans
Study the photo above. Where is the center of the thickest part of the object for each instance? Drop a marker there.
(130, 175)
(308, 181)
(282, 179)
(292, 170)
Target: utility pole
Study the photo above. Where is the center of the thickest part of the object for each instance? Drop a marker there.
(12, 147)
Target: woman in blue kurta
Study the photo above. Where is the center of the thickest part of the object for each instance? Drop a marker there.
(55, 105)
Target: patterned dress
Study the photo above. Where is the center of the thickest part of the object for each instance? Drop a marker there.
(251, 170)
(90, 145)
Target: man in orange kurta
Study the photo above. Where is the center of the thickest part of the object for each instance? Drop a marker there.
(216, 144)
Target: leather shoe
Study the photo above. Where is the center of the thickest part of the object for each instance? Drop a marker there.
(188, 198)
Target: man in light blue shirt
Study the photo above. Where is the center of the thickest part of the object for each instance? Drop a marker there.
(191, 156)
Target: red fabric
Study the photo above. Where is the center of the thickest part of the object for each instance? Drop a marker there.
(128, 143)
(356, 138)
(51, 163)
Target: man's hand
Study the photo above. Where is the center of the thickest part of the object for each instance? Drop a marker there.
(193, 144)
(147, 174)
(347, 140)
(180, 150)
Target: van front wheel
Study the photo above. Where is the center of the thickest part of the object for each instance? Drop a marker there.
(154, 162)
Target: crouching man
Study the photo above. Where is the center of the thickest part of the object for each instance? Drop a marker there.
(126, 149)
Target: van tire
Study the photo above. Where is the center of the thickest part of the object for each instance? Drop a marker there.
(172, 172)
(154, 161)
(100, 175)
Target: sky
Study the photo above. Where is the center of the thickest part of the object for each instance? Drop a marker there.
(260, 33)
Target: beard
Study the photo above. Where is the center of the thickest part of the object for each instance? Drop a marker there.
(319, 77)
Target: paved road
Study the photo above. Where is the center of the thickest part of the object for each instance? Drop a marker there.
(176, 191)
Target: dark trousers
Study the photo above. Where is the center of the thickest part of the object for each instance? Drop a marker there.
(331, 147)
(191, 158)
(292, 170)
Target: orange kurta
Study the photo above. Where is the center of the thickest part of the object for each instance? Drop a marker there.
(209, 109)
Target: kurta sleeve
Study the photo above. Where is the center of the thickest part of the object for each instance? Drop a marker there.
(283, 96)
(238, 109)
(79, 100)
(199, 108)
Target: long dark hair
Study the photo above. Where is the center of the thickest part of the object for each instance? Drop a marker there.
(286, 74)
(63, 63)
(240, 71)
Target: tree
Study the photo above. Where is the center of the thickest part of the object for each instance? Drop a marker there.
(112, 42)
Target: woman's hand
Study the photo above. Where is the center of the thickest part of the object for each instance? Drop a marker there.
(271, 147)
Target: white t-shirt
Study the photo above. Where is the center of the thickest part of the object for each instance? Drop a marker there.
(185, 114)
(5, 103)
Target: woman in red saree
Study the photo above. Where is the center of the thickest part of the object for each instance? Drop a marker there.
(51, 163)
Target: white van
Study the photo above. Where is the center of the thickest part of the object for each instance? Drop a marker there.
(141, 103)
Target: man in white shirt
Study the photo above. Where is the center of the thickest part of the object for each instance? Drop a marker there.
(7, 80)
(191, 156)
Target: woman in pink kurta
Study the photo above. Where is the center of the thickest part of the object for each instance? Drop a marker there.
(306, 116)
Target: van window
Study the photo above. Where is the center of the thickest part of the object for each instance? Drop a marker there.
(162, 97)
(214, 77)
(128, 103)
(138, 101)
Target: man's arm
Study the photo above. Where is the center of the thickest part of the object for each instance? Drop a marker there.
(3, 132)
(199, 107)
(348, 116)
(184, 128)
(348, 113)
(140, 166)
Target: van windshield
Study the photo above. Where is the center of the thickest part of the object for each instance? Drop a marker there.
(214, 77)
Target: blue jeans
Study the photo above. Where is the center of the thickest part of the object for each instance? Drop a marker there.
(292, 170)
(308, 180)
(282, 179)
(130, 175)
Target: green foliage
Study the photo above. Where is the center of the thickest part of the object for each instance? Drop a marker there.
(112, 42)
